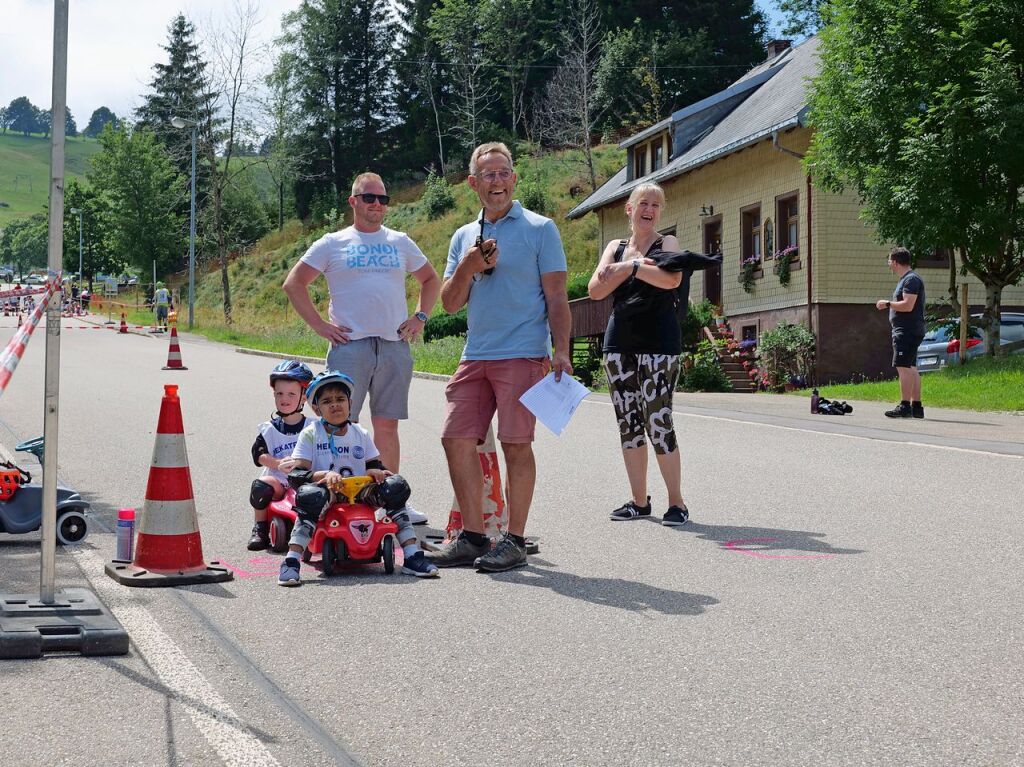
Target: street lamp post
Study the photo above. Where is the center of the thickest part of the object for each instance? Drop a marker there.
(181, 122)
(79, 212)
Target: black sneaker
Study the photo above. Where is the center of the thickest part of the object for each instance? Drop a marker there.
(902, 410)
(917, 411)
(260, 538)
(675, 516)
(629, 510)
(458, 553)
(506, 555)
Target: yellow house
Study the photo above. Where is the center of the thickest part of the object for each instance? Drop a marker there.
(730, 167)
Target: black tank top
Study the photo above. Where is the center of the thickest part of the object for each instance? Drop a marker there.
(643, 319)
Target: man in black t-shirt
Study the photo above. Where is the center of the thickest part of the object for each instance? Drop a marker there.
(906, 315)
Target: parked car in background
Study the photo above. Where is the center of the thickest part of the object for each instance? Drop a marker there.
(941, 347)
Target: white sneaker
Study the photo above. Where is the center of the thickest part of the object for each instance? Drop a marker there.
(415, 517)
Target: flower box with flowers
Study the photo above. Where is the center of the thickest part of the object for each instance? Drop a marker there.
(783, 260)
(750, 270)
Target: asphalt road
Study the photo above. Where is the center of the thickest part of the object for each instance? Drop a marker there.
(848, 592)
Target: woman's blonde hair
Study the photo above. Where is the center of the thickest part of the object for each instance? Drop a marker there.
(648, 187)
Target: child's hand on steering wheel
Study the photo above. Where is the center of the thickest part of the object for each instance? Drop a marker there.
(378, 475)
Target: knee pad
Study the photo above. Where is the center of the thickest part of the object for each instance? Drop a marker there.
(390, 495)
(260, 494)
(310, 501)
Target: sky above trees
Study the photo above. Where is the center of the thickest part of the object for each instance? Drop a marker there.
(113, 44)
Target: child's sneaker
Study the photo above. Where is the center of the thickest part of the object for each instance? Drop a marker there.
(418, 565)
(416, 517)
(260, 538)
(289, 573)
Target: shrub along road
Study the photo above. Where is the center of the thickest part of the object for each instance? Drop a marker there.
(848, 592)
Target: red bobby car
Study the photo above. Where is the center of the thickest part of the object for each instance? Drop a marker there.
(347, 532)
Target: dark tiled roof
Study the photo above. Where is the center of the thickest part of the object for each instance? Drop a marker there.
(774, 104)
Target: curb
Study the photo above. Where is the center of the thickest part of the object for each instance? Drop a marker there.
(320, 361)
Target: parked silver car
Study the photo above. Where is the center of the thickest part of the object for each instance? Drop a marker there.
(942, 347)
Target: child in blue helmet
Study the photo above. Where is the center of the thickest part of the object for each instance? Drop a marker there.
(274, 444)
(333, 447)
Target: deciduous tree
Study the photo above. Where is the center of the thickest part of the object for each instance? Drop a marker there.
(142, 190)
(918, 108)
(98, 121)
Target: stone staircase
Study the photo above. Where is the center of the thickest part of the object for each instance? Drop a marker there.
(732, 368)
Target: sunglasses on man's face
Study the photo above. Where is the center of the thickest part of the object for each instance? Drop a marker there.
(369, 198)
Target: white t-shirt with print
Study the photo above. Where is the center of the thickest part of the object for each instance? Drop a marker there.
(366, 278)
(351, 450)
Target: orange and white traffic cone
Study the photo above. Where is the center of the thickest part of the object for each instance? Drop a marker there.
(168, 549)
(174, 352)
(495, 511)
(124, 324)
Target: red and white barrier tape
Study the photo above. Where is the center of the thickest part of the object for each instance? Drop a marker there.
(11, 356)
(20, 293)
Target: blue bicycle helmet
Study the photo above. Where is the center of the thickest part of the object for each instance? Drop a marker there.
(290, 370)
(329, 377)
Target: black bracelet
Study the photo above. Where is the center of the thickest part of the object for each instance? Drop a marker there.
(636, 265)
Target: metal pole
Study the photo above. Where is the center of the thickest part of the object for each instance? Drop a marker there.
(192, 237)
(79, 251)
(51, 386)
(964, 315)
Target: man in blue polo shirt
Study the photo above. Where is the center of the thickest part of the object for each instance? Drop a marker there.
(513, 281)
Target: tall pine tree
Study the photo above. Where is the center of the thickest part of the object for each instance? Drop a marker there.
(342, 52)
(179, 89)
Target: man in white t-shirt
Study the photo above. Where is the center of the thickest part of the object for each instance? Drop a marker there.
(368, 325)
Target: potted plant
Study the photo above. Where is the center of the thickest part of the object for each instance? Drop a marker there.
(783, 258)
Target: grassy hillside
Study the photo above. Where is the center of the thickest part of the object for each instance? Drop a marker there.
(263, 318)
(25, 171)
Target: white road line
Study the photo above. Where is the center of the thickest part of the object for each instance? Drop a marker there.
(215, 719)
(832, 433)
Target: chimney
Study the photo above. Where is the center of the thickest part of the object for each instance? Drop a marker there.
(775, 47)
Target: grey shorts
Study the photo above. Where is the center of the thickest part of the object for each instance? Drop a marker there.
(381, 368)
(161, 312)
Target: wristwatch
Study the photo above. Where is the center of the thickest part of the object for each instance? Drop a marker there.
(636, 265)
(888, 304)
(421, 316)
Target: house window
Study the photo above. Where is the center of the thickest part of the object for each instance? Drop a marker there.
(657, 150)
(640, 162)
(749, 333)
(937, 259)
(750, 219)
(788, 217)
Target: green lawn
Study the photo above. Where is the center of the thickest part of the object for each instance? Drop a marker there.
(25, 171)
(981, 384)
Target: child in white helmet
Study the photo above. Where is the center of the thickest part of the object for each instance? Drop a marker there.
(333, 447)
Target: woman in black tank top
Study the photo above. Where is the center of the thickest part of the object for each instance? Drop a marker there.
(641, 351)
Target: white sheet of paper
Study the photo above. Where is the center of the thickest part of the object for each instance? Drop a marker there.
(554, 402)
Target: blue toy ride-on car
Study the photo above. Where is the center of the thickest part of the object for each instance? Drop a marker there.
(21, 502)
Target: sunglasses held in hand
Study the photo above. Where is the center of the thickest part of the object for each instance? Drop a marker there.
(369, 198)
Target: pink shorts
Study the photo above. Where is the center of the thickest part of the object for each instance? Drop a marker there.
(481, 387)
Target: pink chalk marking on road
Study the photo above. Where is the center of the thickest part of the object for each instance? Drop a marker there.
(735, 546)
(260, 566)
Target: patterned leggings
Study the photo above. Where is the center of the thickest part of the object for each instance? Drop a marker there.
(641, 387)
